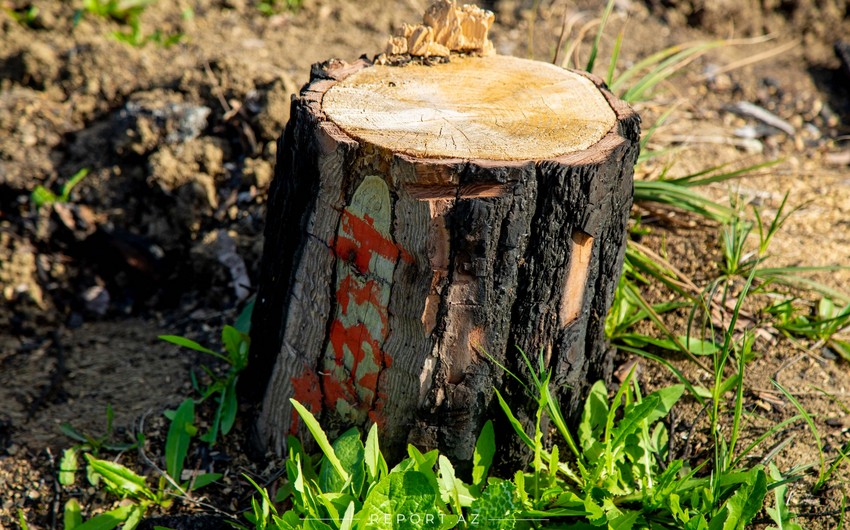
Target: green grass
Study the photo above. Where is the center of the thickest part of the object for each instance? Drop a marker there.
(129, 13)
(271, 7)
(41, 196)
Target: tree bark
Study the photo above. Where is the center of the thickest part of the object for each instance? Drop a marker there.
(417, 236)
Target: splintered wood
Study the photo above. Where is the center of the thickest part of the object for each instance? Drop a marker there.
(446, 28)
(495, 108)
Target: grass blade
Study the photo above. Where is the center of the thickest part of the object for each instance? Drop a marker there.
(594, 50)
(812, 427)
(180, 432)
(321, 438)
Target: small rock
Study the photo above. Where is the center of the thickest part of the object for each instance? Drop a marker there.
(96, 300)
(155, 117)
(220, 246)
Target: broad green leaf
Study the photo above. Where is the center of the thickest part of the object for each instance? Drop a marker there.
(302, 491)
(229, 407)
(192, 345)
(236, 344)
(72, 433)
(482, 458)
(330, 508)
(243, 321)
(750, 502)
(320, 437)
(41, 196)
(448, 491)
(453, 491)
(593, 420)
(424, 461)
(744, 504)
(697, 346)
(696, 523)
(288, 521)
(521, 492)
(134, 518)
(553, 462)
(401, 500)
(350, 451)
(425, 464)
(180, 432)
(826, 308)
(568, 499)
(347, 522)
(68, 467)
(108, 520)
(496, 508)
(72, 516)
(624, 521)
(652, 408)
(119, 478)
(595, 513)
(376, 466)
(205, 480)
(780, 514)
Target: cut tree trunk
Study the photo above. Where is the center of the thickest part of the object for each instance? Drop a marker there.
(425, 222)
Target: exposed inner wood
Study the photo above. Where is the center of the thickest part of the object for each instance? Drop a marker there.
(439, 243)
(581, 248)
(492, 108)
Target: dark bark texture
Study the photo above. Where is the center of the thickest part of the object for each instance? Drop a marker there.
(393, 288)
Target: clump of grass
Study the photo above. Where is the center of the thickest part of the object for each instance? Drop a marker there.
(128, 12)
(271, 7)
(721, 349)
(25, 16)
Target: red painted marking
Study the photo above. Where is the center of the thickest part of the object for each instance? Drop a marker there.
(354, 377)
(308, 392)
(365, 241)
(349, 291)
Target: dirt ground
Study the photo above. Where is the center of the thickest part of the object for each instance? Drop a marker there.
(163, 236)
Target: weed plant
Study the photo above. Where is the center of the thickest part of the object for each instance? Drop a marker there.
(221, 388)
(138, 496)
(42, 196)
(128, 13)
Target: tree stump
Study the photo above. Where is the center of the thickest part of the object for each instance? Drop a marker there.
(422, 215)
